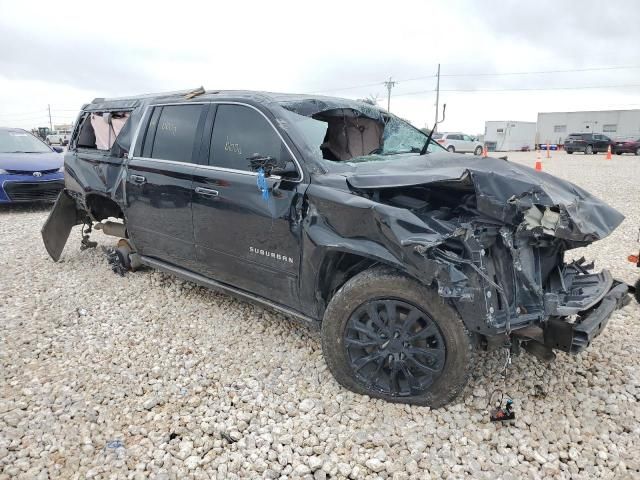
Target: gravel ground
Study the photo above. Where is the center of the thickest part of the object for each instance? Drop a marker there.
(147, 376)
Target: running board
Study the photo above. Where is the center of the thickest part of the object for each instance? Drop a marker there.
(221, 287)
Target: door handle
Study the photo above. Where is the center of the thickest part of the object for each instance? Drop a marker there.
(137, 179)
(206, 192)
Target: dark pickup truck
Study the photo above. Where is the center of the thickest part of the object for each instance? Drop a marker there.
(341, 214)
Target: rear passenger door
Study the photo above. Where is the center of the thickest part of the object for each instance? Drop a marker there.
(159, 183)
(243, 239)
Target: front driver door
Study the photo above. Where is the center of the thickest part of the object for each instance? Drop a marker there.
(243, 239)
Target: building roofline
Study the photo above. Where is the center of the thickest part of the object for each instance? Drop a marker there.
(595, 111)
(510, 121)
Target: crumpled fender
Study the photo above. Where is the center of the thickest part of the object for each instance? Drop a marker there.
(340, 221)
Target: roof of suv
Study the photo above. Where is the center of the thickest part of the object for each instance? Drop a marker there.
(256, 96)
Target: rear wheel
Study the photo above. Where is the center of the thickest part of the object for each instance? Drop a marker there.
(638, 151)
(478, 150)
(451, 148)
(569, 152)
(387, 336)
(588, 150)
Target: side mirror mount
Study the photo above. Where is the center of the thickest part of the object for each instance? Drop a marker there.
(284, 170)
(57, 149)
(270, 165)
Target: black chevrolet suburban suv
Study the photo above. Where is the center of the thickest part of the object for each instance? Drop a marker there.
(588, 143)
(341, 214)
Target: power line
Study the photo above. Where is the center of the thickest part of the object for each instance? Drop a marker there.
(485, 74)
(572, 70)
(493, 90)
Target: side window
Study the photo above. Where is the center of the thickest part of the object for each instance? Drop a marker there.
(175, 132)
(466, 138)
(240, 132)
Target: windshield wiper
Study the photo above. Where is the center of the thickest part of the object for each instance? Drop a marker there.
(426, 145)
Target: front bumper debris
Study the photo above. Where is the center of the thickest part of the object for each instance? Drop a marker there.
(575, 337)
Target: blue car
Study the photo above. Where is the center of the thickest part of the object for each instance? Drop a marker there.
(30, 170)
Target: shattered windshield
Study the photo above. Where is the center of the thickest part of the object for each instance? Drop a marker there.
(355, 133)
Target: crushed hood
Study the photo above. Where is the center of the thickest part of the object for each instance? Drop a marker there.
(505, 191)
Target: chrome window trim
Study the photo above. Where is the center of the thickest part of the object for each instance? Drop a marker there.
(212, 167)
(208, 167)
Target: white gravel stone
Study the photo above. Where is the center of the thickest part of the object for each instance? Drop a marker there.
(195, 384)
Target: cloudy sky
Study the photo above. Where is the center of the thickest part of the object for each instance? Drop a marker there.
(66, 53)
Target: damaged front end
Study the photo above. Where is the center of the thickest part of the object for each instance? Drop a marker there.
(496, 244)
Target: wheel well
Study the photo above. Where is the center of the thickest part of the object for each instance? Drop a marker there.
(101, 208)
(336, 270)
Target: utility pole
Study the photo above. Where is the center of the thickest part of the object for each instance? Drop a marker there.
(435, 124)
(50, 122)
(389, 84)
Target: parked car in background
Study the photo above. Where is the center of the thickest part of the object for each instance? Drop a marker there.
(459, 142)
(58, 138)
(630, 145)
(341, 214)
(30, 170)
(588, 143)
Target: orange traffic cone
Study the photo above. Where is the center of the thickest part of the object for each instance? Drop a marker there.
(538, 162)
(609, 152)
(548, 151)
(484, 151)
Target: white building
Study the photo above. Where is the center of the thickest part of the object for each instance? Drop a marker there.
(503, 136)
(553, 127)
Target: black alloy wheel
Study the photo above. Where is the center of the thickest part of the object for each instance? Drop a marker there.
(388, 336)
(394, 347)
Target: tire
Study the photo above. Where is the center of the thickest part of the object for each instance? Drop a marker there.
(618, 153)
(343, 345)
(637, 292)
(638, 151)
(570, 152)
(451, 149)
(588, 150)
(478, 151)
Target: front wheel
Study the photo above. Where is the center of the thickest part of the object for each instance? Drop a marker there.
(478, 150)
(451, 148)
(638, 151)
(387, 336)
(588, 150)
